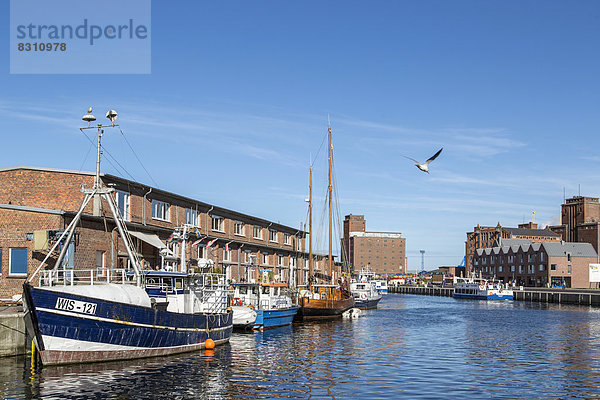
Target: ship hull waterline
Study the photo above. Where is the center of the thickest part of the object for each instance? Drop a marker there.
(115, 331)
(323, 309)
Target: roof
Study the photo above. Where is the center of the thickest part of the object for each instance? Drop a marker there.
(532, 232)
(560, 249)
(215, 210)
(514, 242)
(384, 235)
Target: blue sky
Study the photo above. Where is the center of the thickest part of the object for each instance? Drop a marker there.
(240, 93)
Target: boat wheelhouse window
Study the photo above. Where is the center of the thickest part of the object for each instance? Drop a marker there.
(167, 283)
(178, 283)
(254, 290)
(160, 210)
(218, 223)
(265, 289)
(153, 282)
(191, 217)
(122, 200)
(242, 290)
(17, 261)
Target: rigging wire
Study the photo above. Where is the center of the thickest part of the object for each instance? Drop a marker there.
(110, 156)
(136, 156)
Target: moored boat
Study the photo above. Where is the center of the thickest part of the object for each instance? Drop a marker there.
(482, 289)
(365, 294)
(323, 300)
(272, 306)
(79, 315)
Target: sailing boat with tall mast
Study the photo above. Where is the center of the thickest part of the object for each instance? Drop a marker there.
(324, 300)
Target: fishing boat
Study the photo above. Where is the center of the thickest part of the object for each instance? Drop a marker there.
(271, 304)
(365, 294)
(482, 289)
(83, 315)
(324, 300)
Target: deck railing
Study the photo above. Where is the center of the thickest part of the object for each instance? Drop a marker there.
(72, 277)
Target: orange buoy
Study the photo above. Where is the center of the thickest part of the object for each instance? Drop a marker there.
(209, 344)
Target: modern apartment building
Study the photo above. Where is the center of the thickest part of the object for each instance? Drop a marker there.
(383, 252)
(36, 205)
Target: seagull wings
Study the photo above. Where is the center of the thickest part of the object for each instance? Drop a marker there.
(433, 157)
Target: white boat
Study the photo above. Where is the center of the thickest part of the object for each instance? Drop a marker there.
(244, 317)
(381, 286)
(366, 295)
(482, 289)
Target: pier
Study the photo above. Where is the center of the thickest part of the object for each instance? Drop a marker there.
(584, 297)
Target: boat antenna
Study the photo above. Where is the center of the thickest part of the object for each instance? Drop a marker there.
(330, 218)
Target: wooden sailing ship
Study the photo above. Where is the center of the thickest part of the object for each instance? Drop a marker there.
(319, 301)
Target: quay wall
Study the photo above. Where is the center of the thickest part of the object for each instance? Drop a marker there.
(12, 334)
(585, 297)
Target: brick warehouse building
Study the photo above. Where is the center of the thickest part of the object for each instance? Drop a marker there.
(490, 236)
(580, 221)
(40, 202)
(383, 252)
(537, 264)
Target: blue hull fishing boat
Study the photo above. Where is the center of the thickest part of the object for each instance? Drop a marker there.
(272, 305)
(78, 315)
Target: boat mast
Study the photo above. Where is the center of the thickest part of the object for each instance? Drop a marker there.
(330, 218)
(310, 254)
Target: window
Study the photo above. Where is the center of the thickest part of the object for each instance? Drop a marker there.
(520, 269)
(17, 262)
(569, 269)
(226, 255)
(239, 228)
(160, 210)
(191, 217)
(552, 267)
(272, 236)
(286, 239)
(500, 268)
(265, 259)
(512, 268)
(257, 232)
(100, 262)
(541, 267)
(542, 256)
(293, 262)
(247, 257)
(279, 259)
(218, 224)
(122, 200)
(201, 251)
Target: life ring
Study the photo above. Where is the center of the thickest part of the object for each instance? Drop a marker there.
(363, 296)
(237, 302)
(481, 287)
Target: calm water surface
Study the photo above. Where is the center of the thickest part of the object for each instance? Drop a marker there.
(411, 347)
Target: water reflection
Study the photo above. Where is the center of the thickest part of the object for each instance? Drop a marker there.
(412, 347)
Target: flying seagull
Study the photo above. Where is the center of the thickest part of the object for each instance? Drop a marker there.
(425, 166)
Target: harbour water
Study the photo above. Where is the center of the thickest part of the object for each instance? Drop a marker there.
(411, 347)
